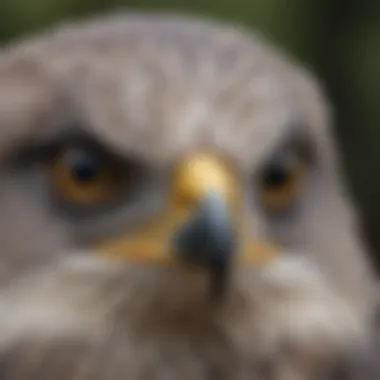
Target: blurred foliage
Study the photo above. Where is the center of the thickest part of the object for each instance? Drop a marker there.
(338, 39)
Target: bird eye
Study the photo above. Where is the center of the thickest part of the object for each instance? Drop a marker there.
(84, 176)
(281, 180)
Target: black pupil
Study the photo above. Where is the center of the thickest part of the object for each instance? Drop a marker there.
(84, 165)
(276, 175)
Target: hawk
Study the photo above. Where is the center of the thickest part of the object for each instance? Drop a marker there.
(172, 207)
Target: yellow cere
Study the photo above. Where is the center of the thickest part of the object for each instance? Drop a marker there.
(200, 174)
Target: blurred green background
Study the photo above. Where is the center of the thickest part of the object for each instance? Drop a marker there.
(339, 40)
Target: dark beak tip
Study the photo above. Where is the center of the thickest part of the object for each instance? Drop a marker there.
(208, 241)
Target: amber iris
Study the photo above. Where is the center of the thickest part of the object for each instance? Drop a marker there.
(84, 176)
(281, 180)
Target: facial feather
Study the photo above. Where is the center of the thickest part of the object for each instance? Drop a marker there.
(83, 296)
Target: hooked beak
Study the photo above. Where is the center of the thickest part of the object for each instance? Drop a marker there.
(208, 240)
(202, 227)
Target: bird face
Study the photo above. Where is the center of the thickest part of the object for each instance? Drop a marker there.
(202, 224)
(175, 146)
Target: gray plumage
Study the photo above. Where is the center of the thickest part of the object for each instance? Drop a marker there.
(154, 88)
